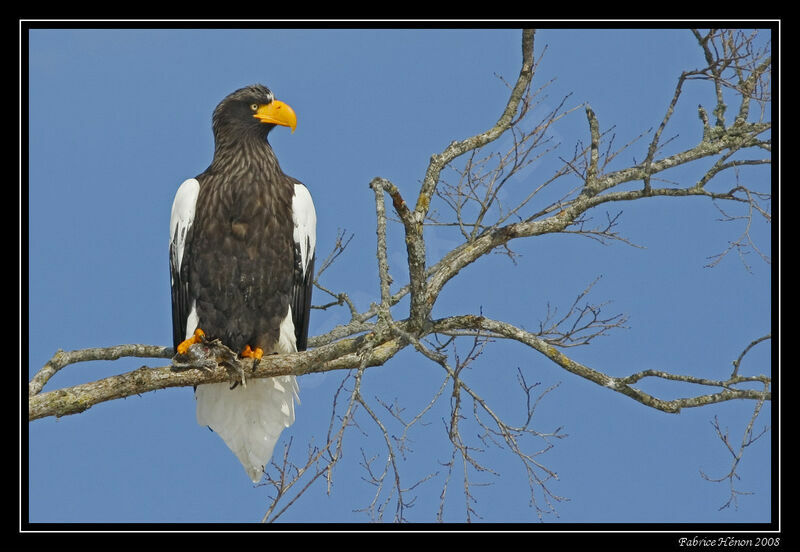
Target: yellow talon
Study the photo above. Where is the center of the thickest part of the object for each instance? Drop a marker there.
(198, 337)
(250, 353)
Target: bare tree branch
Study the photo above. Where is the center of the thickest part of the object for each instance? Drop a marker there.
(748, 438)
(620, 385)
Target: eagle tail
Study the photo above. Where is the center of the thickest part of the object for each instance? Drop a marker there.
(249, 419)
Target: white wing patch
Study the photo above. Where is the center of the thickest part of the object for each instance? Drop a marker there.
(183, 209)
(305, 223)
(181, 219)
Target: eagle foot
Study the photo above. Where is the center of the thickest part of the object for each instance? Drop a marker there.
(199, 336)
(189, 356)
(256, 355)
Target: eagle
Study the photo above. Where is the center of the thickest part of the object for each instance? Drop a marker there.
(241, 257)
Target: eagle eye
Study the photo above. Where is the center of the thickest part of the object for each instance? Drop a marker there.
(254, 106)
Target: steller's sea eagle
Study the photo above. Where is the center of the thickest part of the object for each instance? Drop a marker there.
(242, 241)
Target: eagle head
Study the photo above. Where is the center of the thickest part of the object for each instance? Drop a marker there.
(252, 110)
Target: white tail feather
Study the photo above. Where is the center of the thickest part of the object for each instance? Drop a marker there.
(249, 419)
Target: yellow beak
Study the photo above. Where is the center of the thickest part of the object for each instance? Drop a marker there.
(277, 113)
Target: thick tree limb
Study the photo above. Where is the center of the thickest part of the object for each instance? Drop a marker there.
(343, 354)
(65, 358)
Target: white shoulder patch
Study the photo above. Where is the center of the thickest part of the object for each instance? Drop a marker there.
(183, 209)
(305, 223)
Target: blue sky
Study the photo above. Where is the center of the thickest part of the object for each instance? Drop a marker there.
(119, 118)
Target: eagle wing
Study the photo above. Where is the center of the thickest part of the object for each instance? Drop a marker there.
(305, 223)
(183, 211)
